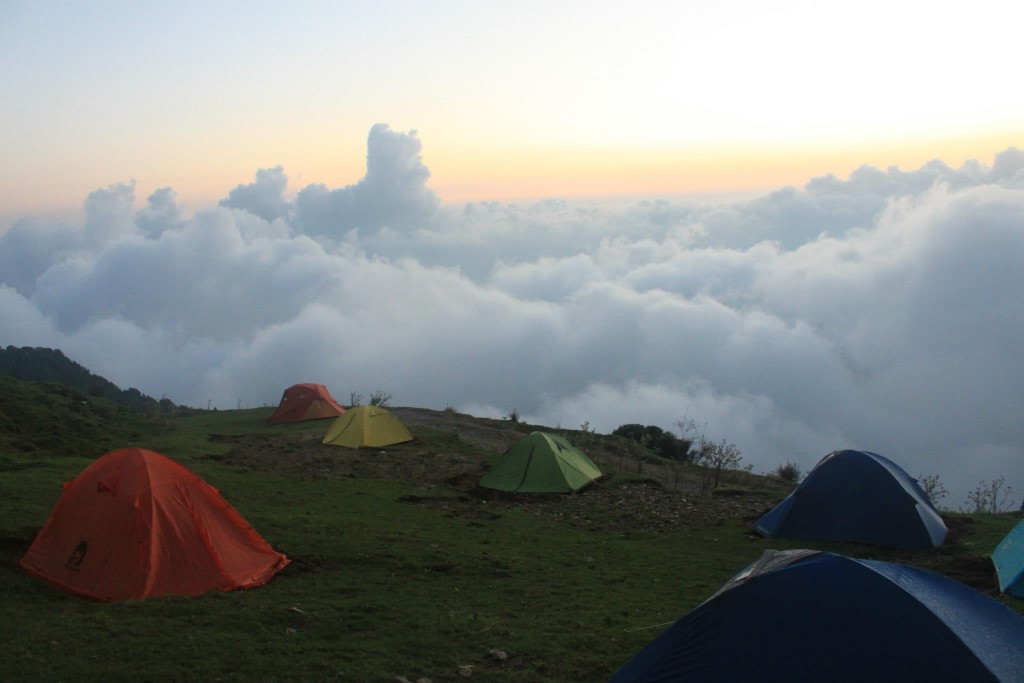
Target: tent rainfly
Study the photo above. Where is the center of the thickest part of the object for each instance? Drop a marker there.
(860, 497)
(541, 463)
(1008, 557)
(135, 525)
(305, 402)
(811, 616)
(366, 426)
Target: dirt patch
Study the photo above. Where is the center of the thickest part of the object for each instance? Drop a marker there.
(641, 506)
(305, 457)
(635, 507)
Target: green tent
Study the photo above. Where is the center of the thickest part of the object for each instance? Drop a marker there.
(541, 463)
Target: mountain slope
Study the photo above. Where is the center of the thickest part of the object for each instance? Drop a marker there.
(51, 365)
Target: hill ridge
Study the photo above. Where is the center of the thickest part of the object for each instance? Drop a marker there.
(42, 364)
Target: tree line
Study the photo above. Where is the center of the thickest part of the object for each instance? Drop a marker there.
(38, 364)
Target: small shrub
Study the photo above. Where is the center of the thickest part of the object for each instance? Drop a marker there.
(657, 439)
(381, 399)
(717, 457)
(932, 488)
(585, 439)
(638, 432)
(991, 497)
(790, 472)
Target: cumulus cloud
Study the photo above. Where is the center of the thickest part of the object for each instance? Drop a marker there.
(30, 247)
(161, 213)
(265, 197)
(108, 215)
(879, 312)
(393, 193)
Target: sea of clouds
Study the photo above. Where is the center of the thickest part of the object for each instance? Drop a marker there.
(883, 312)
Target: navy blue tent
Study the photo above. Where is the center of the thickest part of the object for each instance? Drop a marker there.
(861, 497)
(810, 616)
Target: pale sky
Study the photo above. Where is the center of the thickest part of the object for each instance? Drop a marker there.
(511, 99)
(799, 223)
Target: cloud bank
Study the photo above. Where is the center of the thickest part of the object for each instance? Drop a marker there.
(880, 312)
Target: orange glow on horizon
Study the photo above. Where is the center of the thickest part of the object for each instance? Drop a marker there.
(508, 173)
(591, 173)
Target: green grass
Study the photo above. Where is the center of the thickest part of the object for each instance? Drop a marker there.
(390, 576)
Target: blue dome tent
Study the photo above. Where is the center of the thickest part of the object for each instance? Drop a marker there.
(1008, 557)
(861, 497)
(811, 616)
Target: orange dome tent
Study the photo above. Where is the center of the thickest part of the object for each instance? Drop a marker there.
(306, 402)
(135, 524)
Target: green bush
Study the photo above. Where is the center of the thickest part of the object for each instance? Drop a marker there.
(790, 472)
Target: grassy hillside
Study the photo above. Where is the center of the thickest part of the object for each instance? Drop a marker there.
(399, 567)
(37, 364)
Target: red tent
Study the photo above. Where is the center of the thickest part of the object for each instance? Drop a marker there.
(135, 524)
(306, 402)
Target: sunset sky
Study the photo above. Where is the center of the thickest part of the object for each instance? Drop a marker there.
(511, 99)
(800, 224)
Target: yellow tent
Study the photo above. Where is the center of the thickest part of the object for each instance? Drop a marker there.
(366, 426)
